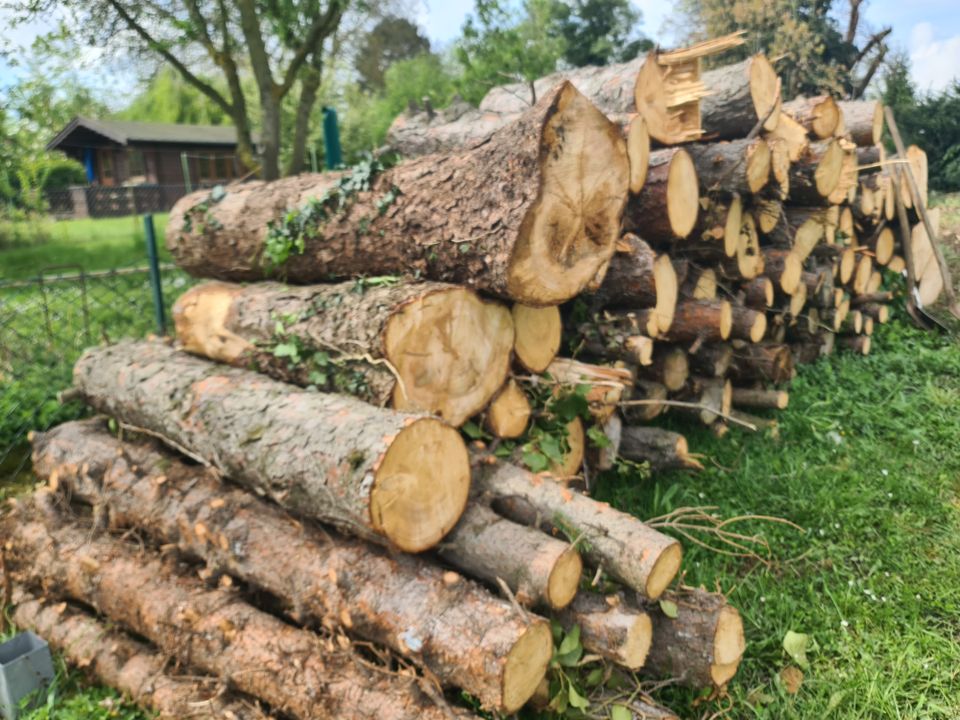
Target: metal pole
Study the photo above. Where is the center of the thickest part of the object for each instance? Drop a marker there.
(158, 309)
(185, 166)
(314, 165)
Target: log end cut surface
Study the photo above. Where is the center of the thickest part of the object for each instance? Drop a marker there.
(451, 351)
(509, 412)
(538, 334)
(683, 194)
(526, 666)
(728, 646)
(664, 570)
(572, 229)
(765, 91)
(638, 150)
(565, 579)
(408, 504)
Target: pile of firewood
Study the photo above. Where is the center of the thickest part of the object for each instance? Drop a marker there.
(344, 494)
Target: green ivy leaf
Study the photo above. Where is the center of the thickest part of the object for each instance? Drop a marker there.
(287, 350)
(535, 461)
(318, 378)
(571, 641)
(472, 430)
(594, 677)
(598, 437)
(669, 609)
(619, 712)
(577, 700)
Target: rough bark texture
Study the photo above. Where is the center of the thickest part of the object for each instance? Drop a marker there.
(747, 324)
(740, 96)
(382, 475)
(421, 347)
(458, 126)
(213, 630)
(321, 577)
(498, 217)
(770, 362)
(737, 166)
(784, 267)
(820, 114)
(628, 550)
(711, 359)
(135, 669)
(611, 628)
(862, 121)
(816, 173)
(758, 293)
(702, 646)
(708, 320)
(538, 569)
(663, 449)
(668, 205)
(758, 397)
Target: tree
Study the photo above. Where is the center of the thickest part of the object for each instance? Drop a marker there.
(276, 39)
(392, 39)
(598, 32)
(501, 45)
(169, 98)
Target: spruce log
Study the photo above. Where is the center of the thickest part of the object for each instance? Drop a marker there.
(718, 227)
(133, 668)
(816, 173)
(877, 297)
(608, 341)
(701, 284)
(712, 397)
(478, 643)
(766, 213)
(819, 114)
(847, 185)
(791, 136)
(646, 403)
(857, 343)
(740, 96)
(670, 367)
(668, 205)
(538, 332)
(638, 152)
(213, 630)
(778, 189)
(758, 293)
(735, 166)
(784, 267)
(497, 217)
(458, 126)
(419, 347)
(760, 398)
(749, 258)
(509, 412)
(862, 121)
(702, 646)
(747, 324)
(880, 313)
(538, 569)
(801, 239)
(628, 550)
(770, 362)
(388, 477)
(604, 458)
(663, 449)
(711, 359)
(706, 320)
(611, 628)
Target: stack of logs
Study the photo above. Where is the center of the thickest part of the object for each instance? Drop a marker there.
(316, 502)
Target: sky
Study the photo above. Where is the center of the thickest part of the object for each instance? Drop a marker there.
(929, 30)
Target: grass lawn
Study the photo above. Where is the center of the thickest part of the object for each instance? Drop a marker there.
(93, 244)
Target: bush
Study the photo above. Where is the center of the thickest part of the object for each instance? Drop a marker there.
(60, 172)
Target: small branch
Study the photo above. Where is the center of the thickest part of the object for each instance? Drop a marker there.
(692, 406)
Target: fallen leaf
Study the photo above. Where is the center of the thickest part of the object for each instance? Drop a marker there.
(792, 678)
(796, 645)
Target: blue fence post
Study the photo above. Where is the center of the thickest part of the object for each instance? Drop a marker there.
(331, 139)
(158, 310)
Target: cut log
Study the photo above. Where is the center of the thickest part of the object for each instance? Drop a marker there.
(880, 313)
(214, 630)
(646, 403)
(735, 166)
(717, 232)
(605, 457)
(848, 263)
(420, 347)
(816, 173)
(778, 189)
(758, 293)
(388, 477)
(638, 277)
(797, 302)
(861, 277)
(740, 96)
(478, 643)
(783, 267)
(711, 359)
(670, 367)
(509, 412)
(852, 324)
(609, 341)
(454, 127)
(538, 332)
(801, 239)
(747, 324)
(867, 325)
(750, 260)
(706, 320)
(712, 396)
(663, 449)
(847, 185)
(611, 628)
(138, 671)
(604, 386)
(668, 205)
(768, 362)
(883, 243)
(767, 214)
(638, 152)
(629, 551)
(538, 569)
(504, 230)
(862, 121)
(792, 136)
(759, 398)
(857, 343)
(702, 646)
(700, 285)
(820, 115)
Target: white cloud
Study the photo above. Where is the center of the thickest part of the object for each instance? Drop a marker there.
(934, 63)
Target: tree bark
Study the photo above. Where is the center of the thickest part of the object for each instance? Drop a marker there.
(756, 397)
(735, 166)
(426, 347)
(711, 359)
(702, 646)
(740, 96)
(309, 86)
(459, 126)
(610, 628)
(862, 121)
(770, 362)
(669, 203)
(758, 293)
(488, 217)
(747, 324)
(213, 630)
(385, 476)
(705, 320)
(131, 667)
(320, 577)
(784, 267)
(538, 569)
(816, 173)
(663, 449)
(628, 550)
(820, 114)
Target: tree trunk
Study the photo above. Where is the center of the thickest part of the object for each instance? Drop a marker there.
(857, 343)
(801, 239)
(319, 576)
(133, 668)
(669, 203)
(712, 396)
(488, 217)
(269, 134)
(426, 347)
(385, 476)
(770, 362)
(702, 646)
(538, 332)
(309, 85)
(759, 398)
(766, 213)
(816, 173)
(509, 412)
(740, 96)
(457, 127)
(538, 569)
(628, 550)
(820, 114)
(663, 449)
(700, 285)
(862, 121)
(610, 628)
(736, 166)
(214, 630)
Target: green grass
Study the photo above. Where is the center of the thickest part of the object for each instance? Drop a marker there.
(92, 244)
(868, 464)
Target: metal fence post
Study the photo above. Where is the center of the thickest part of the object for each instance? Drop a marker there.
(158, 309)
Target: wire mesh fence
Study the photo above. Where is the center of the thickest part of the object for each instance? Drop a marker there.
(98, 201)
(46, 322)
